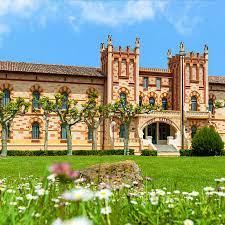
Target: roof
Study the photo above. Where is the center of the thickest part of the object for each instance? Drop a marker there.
(217, 79)
(49, 69)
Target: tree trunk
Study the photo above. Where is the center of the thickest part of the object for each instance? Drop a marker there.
(4, 140)
(94, 139)
(69, 140)
(46, 134)
(126, 139)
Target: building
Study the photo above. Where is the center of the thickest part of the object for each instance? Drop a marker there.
(119, 75)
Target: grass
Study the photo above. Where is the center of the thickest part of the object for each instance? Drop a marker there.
(183, 173)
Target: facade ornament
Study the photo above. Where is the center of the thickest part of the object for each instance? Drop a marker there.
(182, 51)
(169, 54)
(102, 47)
(206, 49)
(137, 42)
(109, 39)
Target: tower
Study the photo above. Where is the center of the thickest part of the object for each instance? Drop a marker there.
(121, 67)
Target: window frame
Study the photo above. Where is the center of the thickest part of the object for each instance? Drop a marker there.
(158, 83)
(164, 100)
(35, 100)
(35, 134)
(194, 104)
(122, 131)
(63, 135)
(150, 101)
(145, 82)
(6, 97)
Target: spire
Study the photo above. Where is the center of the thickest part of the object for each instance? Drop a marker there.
(182, 51)
(206, 49)
(169, 54)
(102, 47)
(137, 42)
(109, 41)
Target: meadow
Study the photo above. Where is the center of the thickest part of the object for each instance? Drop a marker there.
(184, 173)
(181, 191)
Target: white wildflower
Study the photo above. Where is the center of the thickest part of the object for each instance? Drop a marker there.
(104, 194)
(188, 222)
(208, 189)
(78, 195)
(107, 210)
(75, 221)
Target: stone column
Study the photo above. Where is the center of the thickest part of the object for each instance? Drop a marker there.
(109, 73)
(206, 77)
(137, 52)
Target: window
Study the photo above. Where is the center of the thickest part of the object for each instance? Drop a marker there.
(123, 98)
(90, 134)
(35, 100)
(145, 82)
(65, 100)
(158, 83)
(164, 104)
(193, 103)
(193, 131)
(63, 131)
(35, 131)
(6, 97)
(210, 105)
(152, 101)
(140, 101)
(122, 131)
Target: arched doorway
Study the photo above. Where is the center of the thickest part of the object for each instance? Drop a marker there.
(159, 131)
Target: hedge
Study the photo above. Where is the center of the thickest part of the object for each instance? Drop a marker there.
(146, 152)
(186, 152)
(189, 152)
(63, 152)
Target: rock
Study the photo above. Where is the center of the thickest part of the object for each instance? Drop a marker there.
(114, 174)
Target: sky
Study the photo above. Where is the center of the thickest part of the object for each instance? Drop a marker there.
(70, 31)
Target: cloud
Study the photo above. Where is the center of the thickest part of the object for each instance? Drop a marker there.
(181, 15)
(117, 13)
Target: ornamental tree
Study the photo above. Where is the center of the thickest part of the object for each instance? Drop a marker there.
(125, 113)
(207, 142)
(48, 107)
(8, 112)
(93, 114)
(69, 114)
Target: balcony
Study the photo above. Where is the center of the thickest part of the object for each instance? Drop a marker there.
(197, 115)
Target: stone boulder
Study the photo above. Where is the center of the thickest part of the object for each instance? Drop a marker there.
(114, 174)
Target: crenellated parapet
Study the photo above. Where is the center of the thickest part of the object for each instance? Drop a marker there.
(121, 66)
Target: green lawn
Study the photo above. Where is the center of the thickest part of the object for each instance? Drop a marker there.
(184, 173)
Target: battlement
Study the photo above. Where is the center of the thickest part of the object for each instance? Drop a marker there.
(158, 70)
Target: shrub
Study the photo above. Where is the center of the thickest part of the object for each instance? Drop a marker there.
(146, 152)
(186, 152)
(207, 142)
(62, 152)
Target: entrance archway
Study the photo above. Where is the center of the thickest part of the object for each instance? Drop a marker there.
(159, 131)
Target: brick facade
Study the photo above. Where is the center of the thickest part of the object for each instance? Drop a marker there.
(120, 73)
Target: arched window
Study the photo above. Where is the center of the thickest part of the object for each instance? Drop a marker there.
(123, 98)
(122, 131)
(35, 100)
(90, 134)
(65, 100)
(63, 131)
(152, 101)
(35, 131)
(193, 131)
(140, 101)
(6, 97)
(193, 103)
(164, 104)
(210, 105)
